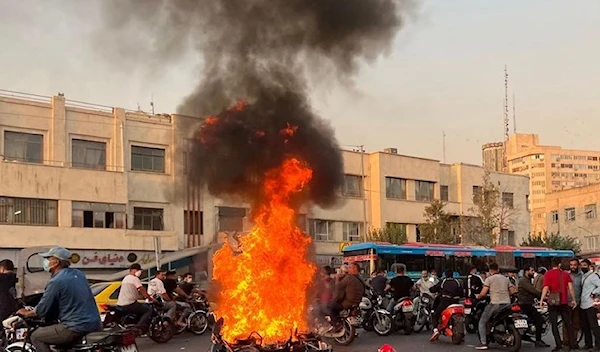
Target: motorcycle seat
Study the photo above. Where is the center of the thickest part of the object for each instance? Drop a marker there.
(500, 311)
(456, 306)
(98, 336)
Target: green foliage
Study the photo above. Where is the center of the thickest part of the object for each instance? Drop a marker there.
(392, 233)
(438, 224)
(554, 241)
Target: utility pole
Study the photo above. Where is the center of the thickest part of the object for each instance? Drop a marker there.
(506, 120)
(364, 189)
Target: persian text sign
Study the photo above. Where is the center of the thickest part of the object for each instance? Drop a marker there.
(109, 259)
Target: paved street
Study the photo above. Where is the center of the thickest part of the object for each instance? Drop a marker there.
(366, 342)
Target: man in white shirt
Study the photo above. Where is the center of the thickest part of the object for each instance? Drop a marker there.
(131, 288)
(156, 288)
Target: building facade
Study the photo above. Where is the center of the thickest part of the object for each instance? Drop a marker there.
(550, 169)
(110, 184)
(492, 155)
(573, 212)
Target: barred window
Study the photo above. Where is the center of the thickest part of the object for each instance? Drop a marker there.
(28, 211)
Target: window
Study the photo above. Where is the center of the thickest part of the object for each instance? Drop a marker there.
(28, 211)
(570, 214)
(508, 199)
(511, 238)
(88, 154)
(352, 186)
(592, 158)
(351, 231)
(591, 242)
(395, 188)
(590, 211)
(321, 230)
(147, 159)
(554, 215)
(150, 219)
(476, 191)
(192, 222)
(98, 215)
(25, 147)
(231, 219)
(444, 193)
(568, 166)
(424, 191)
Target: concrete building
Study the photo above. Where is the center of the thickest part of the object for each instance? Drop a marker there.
(397, 189)
(110, 185)
(573, 212)
(550, 169)
(492, 155)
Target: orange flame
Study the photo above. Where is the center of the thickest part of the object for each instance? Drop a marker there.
(264, 288)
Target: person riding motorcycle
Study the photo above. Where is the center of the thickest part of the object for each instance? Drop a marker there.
(450, 292)
(131, 288)
(473, 284)
(349, 291)
(68, 299)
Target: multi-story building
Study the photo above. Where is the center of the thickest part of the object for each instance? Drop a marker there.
(110, 185)
(573, 212)
(493, 156)
(397, 189)
(550, 169)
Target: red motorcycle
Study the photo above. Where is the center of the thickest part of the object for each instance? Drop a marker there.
(453, 323)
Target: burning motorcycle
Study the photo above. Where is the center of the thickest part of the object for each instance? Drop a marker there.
(506, 327)
(254, 343)
(453, 323)
(400, 319)
(161, 327)
(18, 330)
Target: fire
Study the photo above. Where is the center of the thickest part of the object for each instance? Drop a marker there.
(264, 288)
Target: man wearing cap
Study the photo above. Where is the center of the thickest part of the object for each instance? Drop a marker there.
(67, 298)
(131, 287)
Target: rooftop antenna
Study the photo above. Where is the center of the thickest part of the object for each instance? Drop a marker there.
(139, 107)
(152, 102)
(444, 145)
(506, 121)
(514, 114)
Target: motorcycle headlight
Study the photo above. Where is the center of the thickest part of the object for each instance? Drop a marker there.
(425, 300)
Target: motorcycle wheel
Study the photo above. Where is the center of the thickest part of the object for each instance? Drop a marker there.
(28, 348)
(470, 325)
(420, 322)
(161, 330)
(408, 326)
(516, 335)
(458, 333)
(367, 324)
(198, 322)
(349, 334)
(385, 327)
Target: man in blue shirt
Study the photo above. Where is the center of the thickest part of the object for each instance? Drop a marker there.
(67, 302)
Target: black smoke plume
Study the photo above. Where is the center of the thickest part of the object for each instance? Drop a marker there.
(262, 52)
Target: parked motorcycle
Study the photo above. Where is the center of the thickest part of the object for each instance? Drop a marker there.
(18, 330)
(452, 323)
(506, 327)
(422, 312)
(473, 310)
(161, 327)
(400, 319)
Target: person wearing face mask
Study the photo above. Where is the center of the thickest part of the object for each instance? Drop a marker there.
(131, 287)
(67, 299)
(590, 288)
(527, 293)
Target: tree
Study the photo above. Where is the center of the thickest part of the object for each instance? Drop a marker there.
(554, 241)
(489, 215)
(392, 233)
(438, 224)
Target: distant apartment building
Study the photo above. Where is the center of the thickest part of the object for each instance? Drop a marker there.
(550, 169)
(574, 212)
(110, 184)
(493, 156)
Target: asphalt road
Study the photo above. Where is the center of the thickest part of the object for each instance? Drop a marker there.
(366, 342)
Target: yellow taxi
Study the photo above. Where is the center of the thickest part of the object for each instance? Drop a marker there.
(108, 293)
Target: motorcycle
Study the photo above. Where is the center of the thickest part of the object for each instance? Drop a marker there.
(453, 323)
(400, 319)
(506, 327)
(473, 310)
(161, 327)
(346, 334)
(198, 320)
(367, 307)
(18, 330)
(422, 312)
(254, 343)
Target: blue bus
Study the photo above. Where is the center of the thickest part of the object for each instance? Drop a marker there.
(459, 258)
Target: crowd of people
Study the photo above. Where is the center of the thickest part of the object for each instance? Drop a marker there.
(572, 294)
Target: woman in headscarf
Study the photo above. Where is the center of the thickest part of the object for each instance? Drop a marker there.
(8, 282)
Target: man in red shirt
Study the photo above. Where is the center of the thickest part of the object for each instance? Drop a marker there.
(559, 281)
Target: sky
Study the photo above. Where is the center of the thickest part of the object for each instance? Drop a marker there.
(444, 74)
